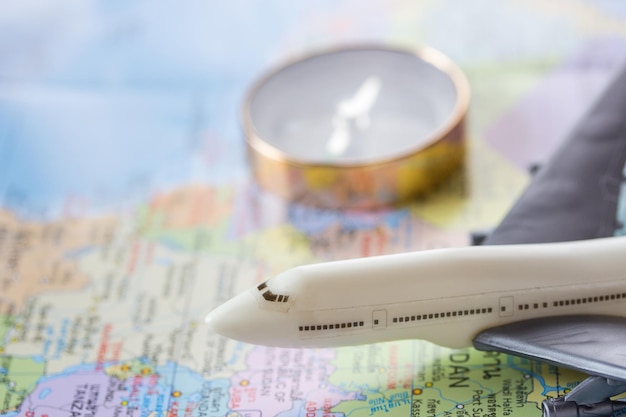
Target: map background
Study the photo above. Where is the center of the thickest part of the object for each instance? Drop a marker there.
(128, 212)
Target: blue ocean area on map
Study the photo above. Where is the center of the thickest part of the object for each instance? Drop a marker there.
(131, 110)
(84, 160)
(120, 81)
(312, 220)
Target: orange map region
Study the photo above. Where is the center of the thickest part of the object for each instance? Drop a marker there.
(188, 207)
(39, 257)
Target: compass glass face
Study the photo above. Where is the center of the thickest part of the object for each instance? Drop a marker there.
(354, 106)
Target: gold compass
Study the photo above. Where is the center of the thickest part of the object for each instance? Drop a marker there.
(357, 127)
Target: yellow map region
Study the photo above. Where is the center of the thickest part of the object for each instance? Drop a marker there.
(422, 379)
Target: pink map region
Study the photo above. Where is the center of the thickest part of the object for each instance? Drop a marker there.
(532, 130)
(87, 392)
(277, 380)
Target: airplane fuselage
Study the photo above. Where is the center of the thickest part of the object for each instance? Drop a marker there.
(446, 296)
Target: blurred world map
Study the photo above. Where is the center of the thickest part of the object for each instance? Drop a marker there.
(127, 209)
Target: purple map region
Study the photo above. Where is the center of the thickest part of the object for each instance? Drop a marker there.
(523, 135)
(137, 390)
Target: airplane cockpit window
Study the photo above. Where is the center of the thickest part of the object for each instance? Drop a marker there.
(268, 295)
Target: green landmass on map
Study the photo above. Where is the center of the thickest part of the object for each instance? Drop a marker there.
(6, 323)
(18, 377)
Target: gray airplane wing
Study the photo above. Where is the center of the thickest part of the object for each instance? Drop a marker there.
(595, 345)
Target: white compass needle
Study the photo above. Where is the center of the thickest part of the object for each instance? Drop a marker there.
(356, 108)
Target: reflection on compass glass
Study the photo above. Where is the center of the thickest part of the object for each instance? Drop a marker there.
(353, 106)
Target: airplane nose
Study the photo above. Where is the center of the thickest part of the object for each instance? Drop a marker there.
(232, 318)
(242, 319)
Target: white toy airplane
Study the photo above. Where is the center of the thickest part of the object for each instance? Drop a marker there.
(562, 303)
(446, 296)
(556, 302)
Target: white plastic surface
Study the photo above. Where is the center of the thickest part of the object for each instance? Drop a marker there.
(446, 296)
